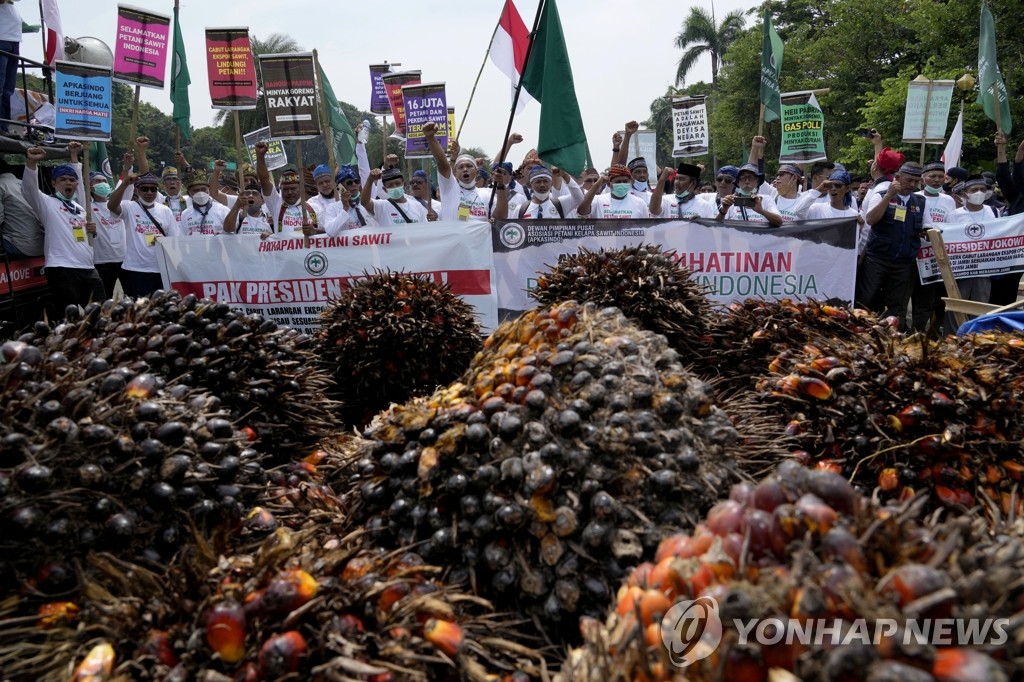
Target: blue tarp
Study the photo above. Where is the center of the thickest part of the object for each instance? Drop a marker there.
(1002, 322)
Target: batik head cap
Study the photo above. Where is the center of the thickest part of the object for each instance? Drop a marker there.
(321, 171)
(619, 171)
(503, 165)
(889, 161)
(289, 176)
(934, 166)
(149, 178)
(61, 171)
(539, 172)
(638, 162)
(975, 182)
(912, 169)
(791, 169)
(840, 176)
(196, 176)
(346, 172)
(169, 172)
(391, 174)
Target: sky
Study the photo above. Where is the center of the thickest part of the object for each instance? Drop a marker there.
(623, 54)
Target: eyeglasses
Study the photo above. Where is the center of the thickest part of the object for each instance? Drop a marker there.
(725, 179)
(415, 183)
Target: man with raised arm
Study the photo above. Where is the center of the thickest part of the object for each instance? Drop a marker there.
(683, 203)
(460, 197)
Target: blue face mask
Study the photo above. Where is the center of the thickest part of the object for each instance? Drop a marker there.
(102, 190)
(620, 189)
(683, 196)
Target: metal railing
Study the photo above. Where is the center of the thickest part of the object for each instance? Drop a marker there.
(25, 63)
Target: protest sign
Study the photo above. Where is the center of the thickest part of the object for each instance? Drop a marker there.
(285, 282)
(140, 53)
(644, 144)
(379, 103)
(803, 138)
(451, 122)
(393, 83)
(689, 126)
(230, 68)
(810, 259)
(928, 104)
(976, 249)
(277, 156)
(289, 85)
(424, 103)
(83, 93)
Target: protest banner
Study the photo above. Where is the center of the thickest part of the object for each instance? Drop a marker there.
(451, 122)
(277, 156)
(230, 68)
(644, 144)
(285, 282)
(379, 103)
(83, 94)
(689, 126)
(976, 249)
(289, 89)
(140, 53)
(394, 82)
(809, 259)
(424, 103)
(803, 123)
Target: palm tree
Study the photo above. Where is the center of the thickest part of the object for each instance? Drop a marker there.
(251, 119)
(700, 35)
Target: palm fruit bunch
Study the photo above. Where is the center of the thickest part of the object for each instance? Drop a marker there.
(906, 414)
(740, 343)
(94, 457)
(393, 336)
(264, 375)
(810, 581)
(646, 283)
(573, 443)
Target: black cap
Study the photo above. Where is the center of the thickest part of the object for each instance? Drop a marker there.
(689, 170)
(957, 173)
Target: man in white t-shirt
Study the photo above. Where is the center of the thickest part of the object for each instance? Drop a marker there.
(543, 205)
(145, 223)
(205, 217)
(325, 202)
(839, 193)
(938, 209)
(109, 245)
(640, 174)
(290, 213)
(247, 215)
(683, 203)
(396, 209)
(791, 203)
(421, 191)
(974, 210)
(461, 199)
(618, 203)
(745, 204)
(69, 255)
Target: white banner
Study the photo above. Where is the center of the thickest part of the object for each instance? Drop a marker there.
(644, 143)
(285, 282)
(927, 100)
(810, 259)
(689, 126)
(977, 249)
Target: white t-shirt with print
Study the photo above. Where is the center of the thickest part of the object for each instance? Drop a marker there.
(386, 213)
(142, 234)
(938, 208)
(748, 214)
(290, 220)
(606, 206)
(693, 208)
(459, 203)
(194, 222)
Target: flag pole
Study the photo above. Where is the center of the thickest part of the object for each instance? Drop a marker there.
(42, 38)
(239, 178)
(924, 124)
(472, 92)
(760, 123)
(134, 129)
(88, 187)
(515, 97)
(177, 128)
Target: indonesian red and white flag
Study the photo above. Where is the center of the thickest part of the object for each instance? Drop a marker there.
(951, 155)
(54, 32)
(508, 49)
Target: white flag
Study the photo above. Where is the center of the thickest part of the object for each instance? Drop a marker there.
(54, 32)
(951, 155)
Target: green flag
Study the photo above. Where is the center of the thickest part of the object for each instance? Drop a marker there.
(98, 160)
(771, 67)
(339, 130)
(991, 83)
(548, 78)
(180, 82)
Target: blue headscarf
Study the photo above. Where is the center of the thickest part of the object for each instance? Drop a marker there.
(841, 176)
(62, 171)
(420, 173)
(346, 172)
(729, 170)
(504, 165)
(321, 171)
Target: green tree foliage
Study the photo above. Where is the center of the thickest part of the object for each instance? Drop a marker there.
(700, 35)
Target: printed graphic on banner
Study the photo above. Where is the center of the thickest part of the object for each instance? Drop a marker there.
(277, 156)
(83, 95)
(452, 130)
(289, 89)
(810, 259)
(690, 127)
(379, 103)
(933, 97)
(977, 249)
(424, 103)
(803, 124)
(393, 83)
(284, 281)
(231, 69)
(140, 53)
(644, 144)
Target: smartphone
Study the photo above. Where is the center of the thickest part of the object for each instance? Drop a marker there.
(745, 202)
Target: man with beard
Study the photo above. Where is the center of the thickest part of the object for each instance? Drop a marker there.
(145, 222)
(683, 203)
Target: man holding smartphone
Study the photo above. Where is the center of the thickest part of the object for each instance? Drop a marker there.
(745, 204)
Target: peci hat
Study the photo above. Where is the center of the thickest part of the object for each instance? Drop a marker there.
(391, 174)
(934, 166)
(912, 169)
(689, 170)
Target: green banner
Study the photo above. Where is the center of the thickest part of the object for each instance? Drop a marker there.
(803, 125)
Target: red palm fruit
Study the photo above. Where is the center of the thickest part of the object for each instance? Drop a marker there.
(732, 545)
(671, 546)
(665, 577)
(280, 654)
(97, 666)
(250, 433)
(947, 496)
(1014, 469)
(743, 663)
(912, 415)
(824, 364)
(793, 428)
(906, 494)
(808, 603)
(652, 635)
(829, 466)
(391, 596)
(357, 567)
(768, 494)
(836, 313)
(725, 517)
(628, 600)
(1011, 504)
(141, 387)
(814, 388)
(817, 516)
(757, 524)
(289, 590)
(698, 545)
(640, 576)
(913, 581)
(225, 631)
(57, 613)
(842, 587)
(741, 493)
(653, 606)
(888, 479)
(840, 543)
(834, 490)
(443, 634)
(958, 664)
(700, 580)
(158, 645)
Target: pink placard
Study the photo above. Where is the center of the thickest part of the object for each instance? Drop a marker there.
(142, 47)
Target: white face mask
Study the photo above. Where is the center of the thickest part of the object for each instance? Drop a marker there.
(201, 198)
(467, 185)
(976, 198)
(541, 196)
(640, 186)
(988, 195)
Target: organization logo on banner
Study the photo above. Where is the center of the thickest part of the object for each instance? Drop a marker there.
(691, 630)
(315, 263)
(975, 230)
(512, 236)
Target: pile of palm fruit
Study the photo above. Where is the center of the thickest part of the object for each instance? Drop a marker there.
(802, 548)
(571, 446)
